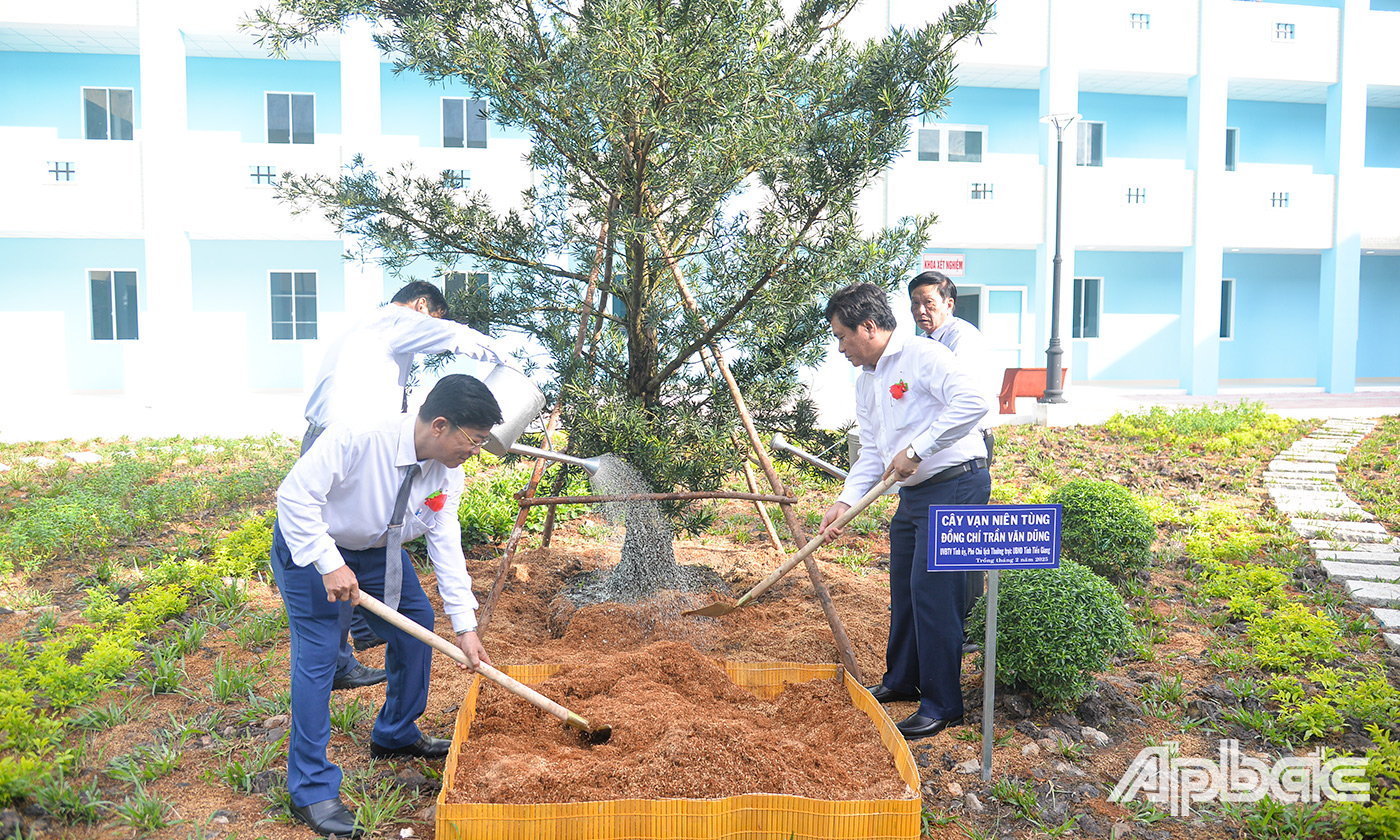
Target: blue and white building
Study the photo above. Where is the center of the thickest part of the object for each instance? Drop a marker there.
(1230, 213)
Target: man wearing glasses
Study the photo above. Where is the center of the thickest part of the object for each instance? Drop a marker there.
(343, 514)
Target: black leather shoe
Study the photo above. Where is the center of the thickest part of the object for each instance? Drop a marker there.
(359, 677)
(424, 747)
(917, 726)
(367, 643)
(885, 694)
(329, 818)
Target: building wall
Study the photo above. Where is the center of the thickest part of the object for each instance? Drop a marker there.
(1376, 346)
(227, 94)
(1139, 336)
(1275, 318)
(1279, 132)
(50, 94)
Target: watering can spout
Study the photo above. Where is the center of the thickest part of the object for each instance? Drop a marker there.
(590, 465)
(781, 444)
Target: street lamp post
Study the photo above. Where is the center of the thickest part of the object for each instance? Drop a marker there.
(1054, 393)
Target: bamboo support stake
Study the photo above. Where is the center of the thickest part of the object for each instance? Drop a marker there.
(773, 537)
(638, 497)
(838, 631)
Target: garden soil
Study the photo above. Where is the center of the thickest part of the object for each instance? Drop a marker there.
(682, 729)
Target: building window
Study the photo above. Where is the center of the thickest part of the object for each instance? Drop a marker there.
(928, 143)
(1278, 199)
(107, 113)
(263, 176)
(1232, 142)
(470, 294)
(1139, 20)
(113, 305)
(1088, 306)
(1137, 195)
(980, 191)
(62, 171)
(293, 305)
(463, 123)
(1227, 308)
(291, 118)
(955, 145)
(457, 179)
(1089, 149)
(1283, 32)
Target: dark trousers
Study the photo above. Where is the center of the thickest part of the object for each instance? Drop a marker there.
(317, 634)
(924, 653)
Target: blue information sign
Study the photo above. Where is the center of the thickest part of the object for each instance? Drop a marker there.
(974, 538)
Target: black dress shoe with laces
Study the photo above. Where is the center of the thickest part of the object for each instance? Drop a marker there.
(329, 818)
(365, 643)
(885, 694)
(424, 747)
(359, 677)
(917, 726)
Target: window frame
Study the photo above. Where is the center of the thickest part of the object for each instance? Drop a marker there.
(255, 175)
(985, 193)
(71, 171)
(1077, 306)
(1136, 196)
(291, 124)
(1144, 18)
(470, 283)
(1278, 29)
(1278, 199)
(467, 142)
(112, 300)
(83, 116)
(1103, 142)
(1228, 288)
(1232, 149)
(295, 322)
(944, 131)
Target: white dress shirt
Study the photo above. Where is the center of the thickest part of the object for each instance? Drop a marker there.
(970, 346)
(937, 415)
(342, 492)
(366, 369)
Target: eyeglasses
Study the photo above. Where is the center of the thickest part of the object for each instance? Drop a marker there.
(472, 440)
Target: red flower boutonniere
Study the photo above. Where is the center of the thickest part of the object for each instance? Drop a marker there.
(899, 389)
(435, 502)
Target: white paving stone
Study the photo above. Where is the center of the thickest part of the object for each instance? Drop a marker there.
(1281, 464)
(1381, 558)
(1374, 594)
(1357, 532)
(83, 457)
(1393, 639)
(39, 461)
(1321, 456)
(1389, 619)
(1360, 571)
(1343, 545)
(4, 468)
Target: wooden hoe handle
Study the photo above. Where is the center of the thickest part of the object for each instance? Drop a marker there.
(514, 686)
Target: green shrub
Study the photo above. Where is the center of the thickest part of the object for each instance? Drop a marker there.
(1104, 527)
(1056, 628)
(245, 552)
(1379, 817)
(488, 510)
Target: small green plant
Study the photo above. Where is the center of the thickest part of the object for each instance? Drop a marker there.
(1377, 453)
(190, 638)
(1056, 629)
(347, 716)
(145, 813)
(1166, 690)
(1379, 817)
(261, 629)
(238, 771)
(229, 681)
(380, 804)
(71, 803)
(1104, 527)
(112, 713)
(261, 708)
(145, 763)
(1269, 819)
(1017, 793)
(166, 673)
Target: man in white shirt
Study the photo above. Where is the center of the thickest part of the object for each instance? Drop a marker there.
(336, 514)
(918, 410)
(932, 299)
(364, 374)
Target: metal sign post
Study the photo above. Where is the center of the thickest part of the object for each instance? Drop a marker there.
(975, 538)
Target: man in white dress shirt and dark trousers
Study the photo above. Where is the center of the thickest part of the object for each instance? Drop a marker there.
(343, 514)
(918, 409)
(932, 299)
(363, 375)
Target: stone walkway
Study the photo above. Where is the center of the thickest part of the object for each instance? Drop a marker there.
(1353, 549)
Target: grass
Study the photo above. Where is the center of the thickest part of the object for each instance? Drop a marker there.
(1380, 453)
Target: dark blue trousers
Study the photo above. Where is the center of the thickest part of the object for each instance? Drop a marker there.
(317, 634)
(924, 653)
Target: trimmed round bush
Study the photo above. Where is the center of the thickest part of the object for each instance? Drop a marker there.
(1104, 527)
(1056, 629)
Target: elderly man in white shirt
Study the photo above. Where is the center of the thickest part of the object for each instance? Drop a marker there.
(365, 374)
(932, 299)
(343, 513)
(918, 410)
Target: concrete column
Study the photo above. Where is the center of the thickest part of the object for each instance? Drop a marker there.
(360, 134)
(1059, 94)
(164, 366)
(1201, 265)
(1339, 297)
